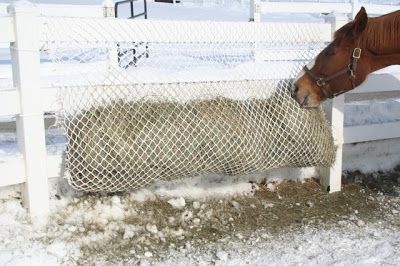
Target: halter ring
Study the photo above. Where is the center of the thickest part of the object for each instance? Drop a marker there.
(357, 53)
(320, 82)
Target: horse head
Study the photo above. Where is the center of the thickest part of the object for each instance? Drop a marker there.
(337, 69)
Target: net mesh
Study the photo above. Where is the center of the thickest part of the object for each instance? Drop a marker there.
(143, 101)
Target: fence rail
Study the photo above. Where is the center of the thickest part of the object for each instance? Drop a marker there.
(258, 7)
(34, 167)
(59, 10)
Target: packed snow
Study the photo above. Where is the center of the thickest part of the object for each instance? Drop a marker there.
(109, 226)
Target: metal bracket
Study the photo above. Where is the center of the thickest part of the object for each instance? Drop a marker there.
(320, 83)
(357, 53)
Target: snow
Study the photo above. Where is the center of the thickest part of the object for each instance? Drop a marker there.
(346, 243)
(372, 112)
(222, 255)
(55, 142)
(349, 245)
(209, 186)
(9, 148)
(367, 157)
(178, 203)
(359, 243)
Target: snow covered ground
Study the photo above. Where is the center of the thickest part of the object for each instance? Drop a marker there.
(348, 245)
(213, 224)
(81, 225)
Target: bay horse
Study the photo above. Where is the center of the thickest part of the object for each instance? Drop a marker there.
(360, 47)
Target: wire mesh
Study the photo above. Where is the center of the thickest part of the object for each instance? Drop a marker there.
(139, 109)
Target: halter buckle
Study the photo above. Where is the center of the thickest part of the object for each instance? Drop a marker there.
(320, 82)
(357, 53)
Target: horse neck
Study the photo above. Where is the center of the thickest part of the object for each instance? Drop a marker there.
(382, 39)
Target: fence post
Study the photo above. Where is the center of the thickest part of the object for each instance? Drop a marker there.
(255, 10)
(108, 9)
(331, 179)
(109, 12)
(25, 60)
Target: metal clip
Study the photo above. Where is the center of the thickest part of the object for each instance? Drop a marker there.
(320, 82)
(357, 53)
(352, 76)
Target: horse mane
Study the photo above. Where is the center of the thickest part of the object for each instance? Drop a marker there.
(381, 33)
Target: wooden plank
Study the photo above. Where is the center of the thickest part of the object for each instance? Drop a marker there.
(305, 7)
(9, 102)
(267, 7)
(373, 132)
(55, 165)
(3, 9)
(372, 96)
(25, 58)
(309, 7)
(375, 9)
(13, 170)
(331, 178)
(116, 30)
(379, 83)
(376, 83)
(61, 10)
(7, 31)
(50, 100)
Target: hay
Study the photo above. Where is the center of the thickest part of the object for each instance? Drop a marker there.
(128, 144)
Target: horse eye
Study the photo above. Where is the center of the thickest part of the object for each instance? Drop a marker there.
(330, 52)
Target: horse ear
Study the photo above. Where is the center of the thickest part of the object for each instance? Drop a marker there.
(360, 22)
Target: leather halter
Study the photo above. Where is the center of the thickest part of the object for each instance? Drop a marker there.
(350, 70)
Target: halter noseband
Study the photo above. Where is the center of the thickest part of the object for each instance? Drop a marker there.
(350, 69)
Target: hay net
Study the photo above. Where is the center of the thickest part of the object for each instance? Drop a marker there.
(149, 100)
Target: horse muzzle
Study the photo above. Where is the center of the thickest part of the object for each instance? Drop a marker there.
(304, 97)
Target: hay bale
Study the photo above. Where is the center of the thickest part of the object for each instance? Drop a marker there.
(128, 144)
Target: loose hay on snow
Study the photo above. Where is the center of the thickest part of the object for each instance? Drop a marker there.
(125, 144)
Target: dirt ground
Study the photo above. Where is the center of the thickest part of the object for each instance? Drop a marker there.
(274, 209)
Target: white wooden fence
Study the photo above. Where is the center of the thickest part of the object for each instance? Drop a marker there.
(27, 102)
(258, 7)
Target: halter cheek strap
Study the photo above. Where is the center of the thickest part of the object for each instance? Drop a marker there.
(350, 70)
